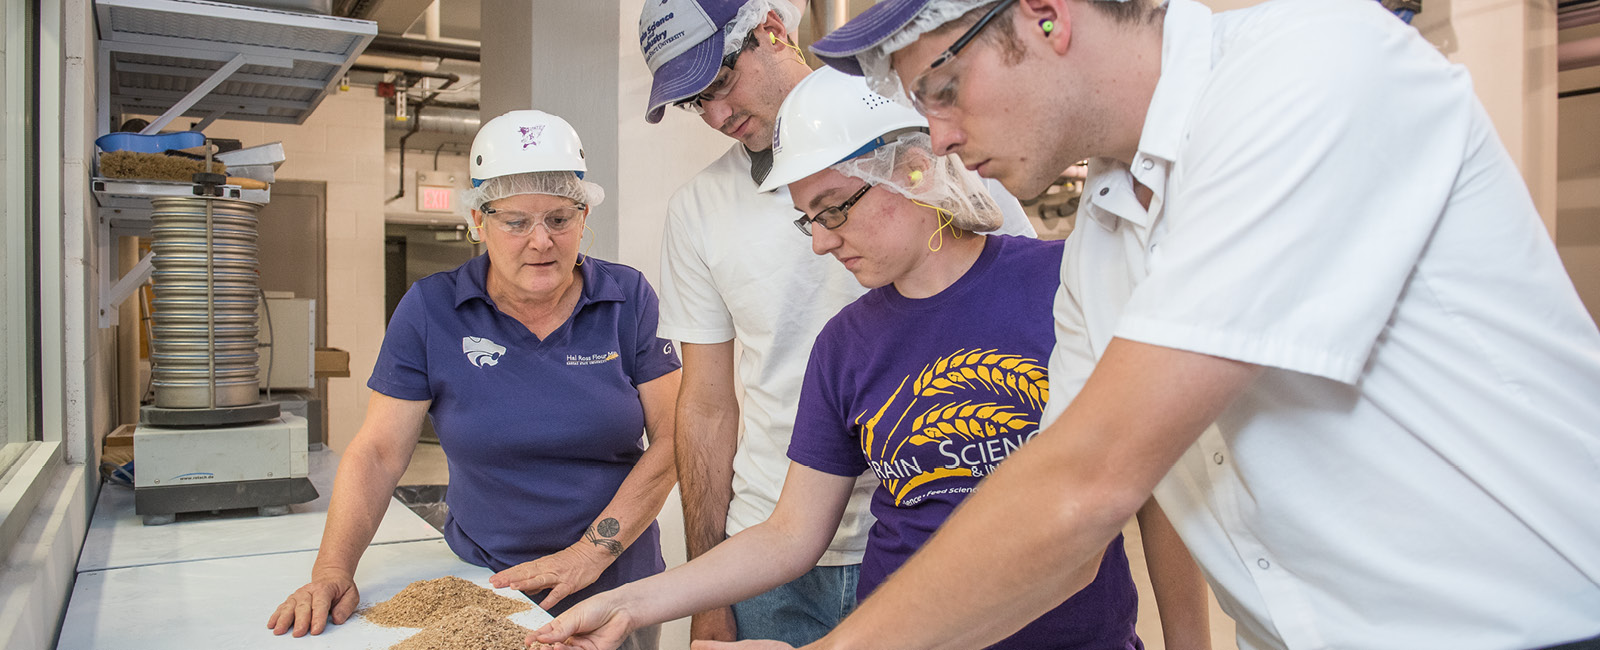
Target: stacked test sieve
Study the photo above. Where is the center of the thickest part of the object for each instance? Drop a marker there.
(203, 344)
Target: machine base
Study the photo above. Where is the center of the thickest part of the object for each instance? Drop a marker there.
(271, 497)
(223, 416)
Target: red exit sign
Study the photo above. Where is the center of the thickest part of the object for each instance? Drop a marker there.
(435, 199)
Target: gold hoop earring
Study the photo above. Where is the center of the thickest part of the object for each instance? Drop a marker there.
(590, 245)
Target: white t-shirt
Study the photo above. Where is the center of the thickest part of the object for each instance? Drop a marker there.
(735, 267)
(1419, 465)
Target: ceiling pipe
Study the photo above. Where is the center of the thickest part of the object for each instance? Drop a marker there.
(1578, 17)
(389, 44)
(1578, 54)
(449, 77)
(408, 63)
(439, 120)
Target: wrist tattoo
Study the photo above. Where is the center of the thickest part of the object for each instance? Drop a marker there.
(600, 535)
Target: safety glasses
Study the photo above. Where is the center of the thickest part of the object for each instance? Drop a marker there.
(521, 224)
(726, 77)
(936, 96)
(833, 217)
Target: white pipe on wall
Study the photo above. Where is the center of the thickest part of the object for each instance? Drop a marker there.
(837, 13)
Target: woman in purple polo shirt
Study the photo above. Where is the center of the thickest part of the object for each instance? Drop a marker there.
(541, 368)
(929, 381)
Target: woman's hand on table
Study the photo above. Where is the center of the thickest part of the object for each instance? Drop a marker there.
(562, 572)
(309, 607)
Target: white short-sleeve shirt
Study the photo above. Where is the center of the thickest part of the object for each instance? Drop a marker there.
(1419, 466)
(735, 267)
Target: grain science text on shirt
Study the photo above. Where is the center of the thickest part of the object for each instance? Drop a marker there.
(979, 456)
(982, 455)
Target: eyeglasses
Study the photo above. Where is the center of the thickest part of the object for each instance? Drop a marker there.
(726, 77)
(833, 217)
(521, 224)
(938, 101)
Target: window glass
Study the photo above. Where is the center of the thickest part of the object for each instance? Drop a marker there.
(18, 207)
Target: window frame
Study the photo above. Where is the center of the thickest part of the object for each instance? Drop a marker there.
(31, 299)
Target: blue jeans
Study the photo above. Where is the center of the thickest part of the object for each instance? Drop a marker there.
(803, 610)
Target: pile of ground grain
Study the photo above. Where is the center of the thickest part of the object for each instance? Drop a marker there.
(424, 602)
(469, 628)
(153, 166)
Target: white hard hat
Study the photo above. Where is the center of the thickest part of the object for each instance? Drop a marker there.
(525, 141)
(828, 118)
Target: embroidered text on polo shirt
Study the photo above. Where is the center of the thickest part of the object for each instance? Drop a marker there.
(592, 359)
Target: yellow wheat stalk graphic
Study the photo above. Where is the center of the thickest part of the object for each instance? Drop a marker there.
(965, 420)
(1011, 374)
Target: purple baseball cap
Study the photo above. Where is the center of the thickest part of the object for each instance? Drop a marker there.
(880, 21)
(682, 44)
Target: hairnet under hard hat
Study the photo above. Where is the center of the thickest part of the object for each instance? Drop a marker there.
(559, 183)
(944, 182)
(754, 13)
(527, 151)
(875, 62)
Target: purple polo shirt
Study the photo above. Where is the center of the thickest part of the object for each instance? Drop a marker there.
(538, 434)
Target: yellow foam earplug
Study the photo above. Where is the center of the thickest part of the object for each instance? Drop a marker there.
(916, 176)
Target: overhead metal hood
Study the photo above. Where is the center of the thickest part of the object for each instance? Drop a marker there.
(209, 59)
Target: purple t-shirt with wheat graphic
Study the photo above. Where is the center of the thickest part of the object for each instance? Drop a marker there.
(930, 395)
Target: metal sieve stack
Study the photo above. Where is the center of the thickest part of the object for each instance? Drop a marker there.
(203, 345)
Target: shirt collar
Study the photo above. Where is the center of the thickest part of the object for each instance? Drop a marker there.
(1185, 66)
(598, 283)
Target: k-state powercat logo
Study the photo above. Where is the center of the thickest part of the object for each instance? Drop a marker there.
(481, 352)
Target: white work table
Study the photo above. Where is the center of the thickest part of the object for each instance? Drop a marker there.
(118, 538)
(225, 603)
(213, 580)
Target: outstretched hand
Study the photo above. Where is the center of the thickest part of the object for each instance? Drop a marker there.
(563, 572)
(590, 625)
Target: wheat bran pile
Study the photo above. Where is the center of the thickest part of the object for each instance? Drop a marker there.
(469, 628)
(153, 166)
(424, 602)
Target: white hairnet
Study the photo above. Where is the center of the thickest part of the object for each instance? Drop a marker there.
(754, 13)
(944, 183)
(564, 184)
(875, 62)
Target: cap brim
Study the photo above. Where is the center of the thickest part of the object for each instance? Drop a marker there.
(875, 25)
(684, 76)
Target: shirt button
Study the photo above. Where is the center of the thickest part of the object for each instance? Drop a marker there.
(1104, 191)
(1217, 457)
(1148, 164)
(1263, 563)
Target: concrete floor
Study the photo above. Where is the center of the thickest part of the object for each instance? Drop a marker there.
(428, 468)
